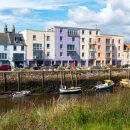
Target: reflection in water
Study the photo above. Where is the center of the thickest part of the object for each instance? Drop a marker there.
(65, 97)
(44, 100)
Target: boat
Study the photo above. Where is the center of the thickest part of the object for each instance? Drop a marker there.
(107, 86)
(21, 94)
(125, 83)
(64, 89)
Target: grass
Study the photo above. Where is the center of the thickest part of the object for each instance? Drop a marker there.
(104, 112)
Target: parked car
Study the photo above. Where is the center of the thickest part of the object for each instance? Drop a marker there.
(5, 67)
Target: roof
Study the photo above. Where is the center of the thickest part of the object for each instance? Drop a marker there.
(75, 28)
(106, 35)
(128, 45)
(9, 38)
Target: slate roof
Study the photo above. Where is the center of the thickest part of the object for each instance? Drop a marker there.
(9, 39)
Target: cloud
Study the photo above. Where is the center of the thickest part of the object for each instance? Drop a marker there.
(114, 18)
(39, 4)
(21, 11)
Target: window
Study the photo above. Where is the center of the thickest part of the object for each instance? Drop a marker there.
(119, 41)
(17, 39)
(90, 32)
(99, 54)
(96, 32)
(3, 55)
(22, 48)
(34, 37)
(83, 39)
(61, 46)
(99, 47)
(48, 46)
(107, 41)
(107, 48)
(113, 48)
(99, 40)
(119, 47)
(48, 38)
(61, 38)
(107, 55)
(60, 30)
(113, 41)
(70, 47)
(82, 47)
(48, 54)
(118, 54)
(112, 55)
(37, 46)
(90, 40)
(83, 32)
(14, 48)
(61, 53)
(5, 47)
(82, 54)
(73, 39)
(18, 56)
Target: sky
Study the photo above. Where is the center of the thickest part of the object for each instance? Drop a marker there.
(111, 16)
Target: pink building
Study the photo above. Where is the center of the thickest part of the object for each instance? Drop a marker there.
(109, 50)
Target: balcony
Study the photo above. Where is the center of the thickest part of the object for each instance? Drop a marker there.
(108, 58)
(73, 33)
(38, 57)
(92, 50)
(92, 43)
(18, 58)
(92, 57)
(71, 50)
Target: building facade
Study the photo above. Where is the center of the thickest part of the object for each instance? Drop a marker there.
(109, 50)
(12, 48)
(88, 46)
(126, 54)
(40, 47)
(68, 45)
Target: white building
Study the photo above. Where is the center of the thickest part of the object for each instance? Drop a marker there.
(12, 48)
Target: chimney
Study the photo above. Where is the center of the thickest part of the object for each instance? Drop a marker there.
(13, 29)
(5, 28)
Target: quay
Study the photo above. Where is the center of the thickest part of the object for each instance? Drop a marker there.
(49, 81)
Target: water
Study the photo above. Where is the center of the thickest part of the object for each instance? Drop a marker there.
(45, 100)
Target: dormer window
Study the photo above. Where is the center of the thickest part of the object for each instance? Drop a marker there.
(17, 39)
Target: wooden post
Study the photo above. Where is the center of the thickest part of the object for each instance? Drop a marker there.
(42, 79)
(19, 86)
(72, 78)
(64, 78)
(128, 73)
(76, 78)
(5, 83)
(61, 78)
(110, 74)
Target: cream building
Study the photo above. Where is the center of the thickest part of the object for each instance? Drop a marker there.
(40, 47)
(87, 46)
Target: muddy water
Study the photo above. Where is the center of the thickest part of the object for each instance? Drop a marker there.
(7, 103)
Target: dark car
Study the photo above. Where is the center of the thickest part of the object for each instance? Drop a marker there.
(55, 66)
(5, 67)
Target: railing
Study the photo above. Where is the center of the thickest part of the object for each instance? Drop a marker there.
(92, 43)
(18, 59)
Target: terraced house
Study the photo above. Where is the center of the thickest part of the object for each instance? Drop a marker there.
(69, 45)
(12, 48)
